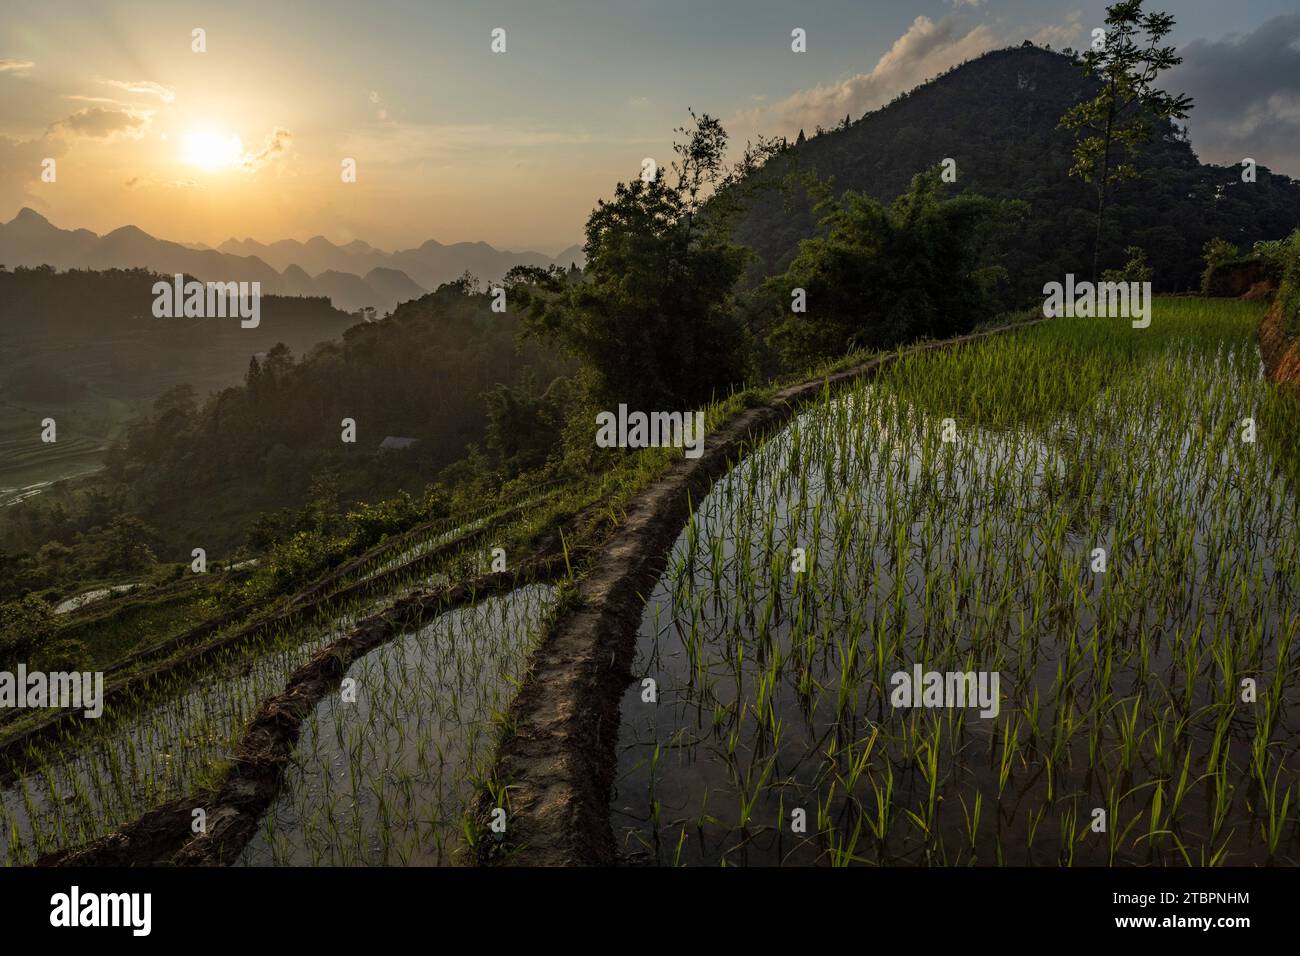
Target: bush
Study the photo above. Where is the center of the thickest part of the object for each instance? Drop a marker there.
(1230, 273)
(371, 523)
(1136, 269)
(887, 274)
(25, 624)
(1287, 258)
(301, 558)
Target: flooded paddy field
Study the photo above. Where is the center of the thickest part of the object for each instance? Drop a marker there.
(385, 771)
(1096, 522)
(146, 750)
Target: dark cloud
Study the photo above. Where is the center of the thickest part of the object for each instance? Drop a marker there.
(1247, 92)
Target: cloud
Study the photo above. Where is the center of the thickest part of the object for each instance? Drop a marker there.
(136, 182)
(146, 87)
(1247, 95)
(20, 171)
(274, 147)
(927, 48)
(16, 67)
(1058, 35)
(92, 99)
(98, 122)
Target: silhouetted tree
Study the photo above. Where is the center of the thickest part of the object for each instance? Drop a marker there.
(1121, 114)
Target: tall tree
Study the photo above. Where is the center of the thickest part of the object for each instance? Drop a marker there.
(652, 318)
(1127, 57)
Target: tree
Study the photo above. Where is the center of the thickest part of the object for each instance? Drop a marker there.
(25, 624)
(124, 548)
(1135, 268)
(652, 318)
(1127, 60)
(885, 274)
(524, 427)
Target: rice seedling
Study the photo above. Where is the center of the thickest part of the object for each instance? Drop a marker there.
(1099, 532)
(387, 775)
(145, 750)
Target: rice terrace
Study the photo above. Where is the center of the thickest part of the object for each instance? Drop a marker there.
(909, 490)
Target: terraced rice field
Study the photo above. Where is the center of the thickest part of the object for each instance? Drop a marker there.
(29, 466)
(437, 693)
(146, 750)
(1097, 522)
(1079, 508)
(388, 775)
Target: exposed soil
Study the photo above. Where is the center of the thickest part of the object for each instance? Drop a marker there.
(164, 835)
(559, 764)
(1280, 351)
(1233, 279)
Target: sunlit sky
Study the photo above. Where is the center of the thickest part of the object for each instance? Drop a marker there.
(454, 142)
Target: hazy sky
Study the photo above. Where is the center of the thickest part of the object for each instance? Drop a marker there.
(454, 142)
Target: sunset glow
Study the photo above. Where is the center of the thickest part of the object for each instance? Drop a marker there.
(211, 151)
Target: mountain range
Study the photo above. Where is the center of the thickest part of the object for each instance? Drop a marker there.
(352, 276)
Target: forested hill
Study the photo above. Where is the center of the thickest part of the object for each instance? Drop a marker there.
(997, 117)
(425, 373)
(96, 330)
(237, 464)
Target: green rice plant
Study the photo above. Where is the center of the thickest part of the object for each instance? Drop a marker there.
(979, 554)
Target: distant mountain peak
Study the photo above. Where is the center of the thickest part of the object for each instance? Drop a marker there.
(29, 216)
(128, 232)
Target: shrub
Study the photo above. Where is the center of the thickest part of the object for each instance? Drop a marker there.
(886, 274)
(25, 624)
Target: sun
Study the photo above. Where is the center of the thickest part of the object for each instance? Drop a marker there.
(212, 151)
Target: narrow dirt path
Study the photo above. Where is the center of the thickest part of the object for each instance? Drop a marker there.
(559, 764)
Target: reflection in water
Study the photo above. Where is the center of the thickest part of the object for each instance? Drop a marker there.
(387, 778)
(1120, 688)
